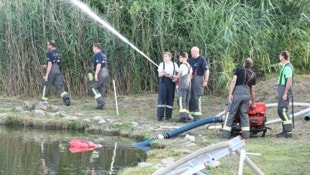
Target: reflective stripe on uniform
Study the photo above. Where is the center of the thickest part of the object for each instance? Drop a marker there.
(286, 122)
(181, 106)
(167, 106)
(245, 128)
(195, 113)
(97, 95)
(286, 119)
(63, 94)
(43, 96)
(180, 103)
(227, 128)
(183, 110)
(199, 108)
(161, 106)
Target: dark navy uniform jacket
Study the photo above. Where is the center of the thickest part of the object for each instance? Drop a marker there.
(199, 65)
(100, 58)
(53, 56)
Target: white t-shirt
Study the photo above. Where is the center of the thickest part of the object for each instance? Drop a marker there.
(168, 68)
(184, 69)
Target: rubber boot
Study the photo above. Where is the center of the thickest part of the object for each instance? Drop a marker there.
(66, 100)
(100, 103)
(196, 117)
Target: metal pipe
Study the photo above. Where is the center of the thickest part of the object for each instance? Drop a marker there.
(296, 114)
(251, 164)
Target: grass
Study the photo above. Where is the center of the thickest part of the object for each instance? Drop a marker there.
(278, 156)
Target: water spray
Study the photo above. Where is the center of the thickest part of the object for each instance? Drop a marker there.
(86, 9)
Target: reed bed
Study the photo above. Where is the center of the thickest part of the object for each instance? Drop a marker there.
(226, 31)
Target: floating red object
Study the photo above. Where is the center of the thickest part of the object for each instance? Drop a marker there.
(77, 145)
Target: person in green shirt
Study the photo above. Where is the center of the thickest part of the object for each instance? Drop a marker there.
(285, 83)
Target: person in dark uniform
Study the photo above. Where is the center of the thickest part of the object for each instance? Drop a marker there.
(166, 70)
(285, 83)
(199, 81)
(241, 92)
(101, 74)
(53, 74)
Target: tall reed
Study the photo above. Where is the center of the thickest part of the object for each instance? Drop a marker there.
(226, 31)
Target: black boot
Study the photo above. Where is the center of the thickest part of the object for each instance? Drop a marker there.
(100, 103)
(284, 135)
(66, 101)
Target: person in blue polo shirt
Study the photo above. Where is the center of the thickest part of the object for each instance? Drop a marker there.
(199, 81)
(53, 74)
(101, 74)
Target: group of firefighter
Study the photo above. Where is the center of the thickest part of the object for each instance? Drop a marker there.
(98, 78)
(189, 80)
(192, 76)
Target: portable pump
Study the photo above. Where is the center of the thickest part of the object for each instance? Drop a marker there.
(257, 120)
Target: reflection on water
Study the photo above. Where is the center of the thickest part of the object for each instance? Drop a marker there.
(27, 151)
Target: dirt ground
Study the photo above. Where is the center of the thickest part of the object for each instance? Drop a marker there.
(137, 119)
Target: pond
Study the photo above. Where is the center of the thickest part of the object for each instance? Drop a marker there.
(30, 151)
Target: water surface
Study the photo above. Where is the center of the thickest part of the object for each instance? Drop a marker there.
(29, 151)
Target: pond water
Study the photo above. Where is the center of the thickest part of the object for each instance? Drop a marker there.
(35, 152)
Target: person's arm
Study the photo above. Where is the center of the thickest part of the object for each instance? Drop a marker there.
(179, 74)
(98, 67)
(206, 73)
(252, 90)
(287, 88)
(161, 74)
(48, 70)
(231, 89)
(206, 78)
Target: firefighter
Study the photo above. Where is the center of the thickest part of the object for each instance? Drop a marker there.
(53, 74)
(184, 89)
(285, 83)
(199, 81)
(241, 92)
(166, 70)
(98, 83)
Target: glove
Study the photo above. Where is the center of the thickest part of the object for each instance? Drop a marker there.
(90, 76)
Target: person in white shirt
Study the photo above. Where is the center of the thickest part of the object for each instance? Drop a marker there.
(184, 90)
(166, 70)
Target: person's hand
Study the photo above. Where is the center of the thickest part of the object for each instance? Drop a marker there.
(204, 84)
(96, 77)
(230, 98)
(284, 97)
(45, 78)
(167, 75)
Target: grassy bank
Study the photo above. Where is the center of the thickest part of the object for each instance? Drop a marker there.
(137, 120)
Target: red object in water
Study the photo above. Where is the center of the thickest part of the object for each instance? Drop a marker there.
(77, 145)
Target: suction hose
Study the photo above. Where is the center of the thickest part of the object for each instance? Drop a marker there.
(307, 117)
